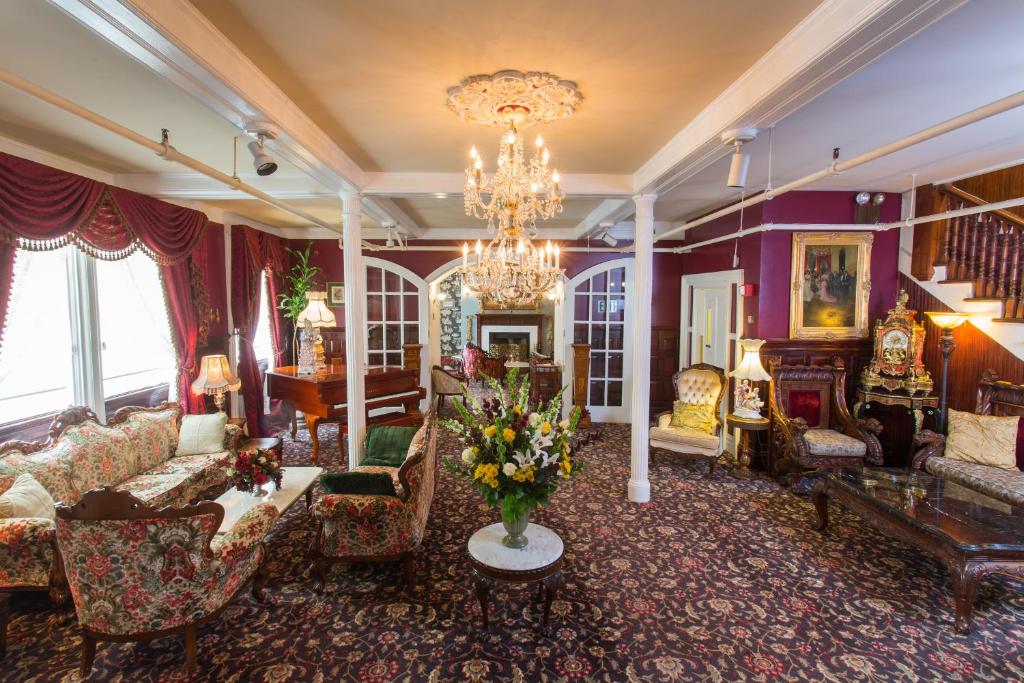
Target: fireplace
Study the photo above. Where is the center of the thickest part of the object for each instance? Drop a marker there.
(501, 328)
(508, 338)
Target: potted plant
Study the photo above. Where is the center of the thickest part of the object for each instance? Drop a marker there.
(300, 280)
(250, 471)
(516, 453)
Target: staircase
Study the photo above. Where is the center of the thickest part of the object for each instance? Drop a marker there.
(973, 264)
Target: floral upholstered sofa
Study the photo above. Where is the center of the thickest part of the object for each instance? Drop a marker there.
(133, 452)
(995, 397)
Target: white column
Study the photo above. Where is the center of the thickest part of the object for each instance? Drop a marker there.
(639, 489)
(355, 324)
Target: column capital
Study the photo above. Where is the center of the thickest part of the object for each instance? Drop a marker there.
(644, 205)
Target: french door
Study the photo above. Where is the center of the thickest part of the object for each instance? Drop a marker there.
(601, 312)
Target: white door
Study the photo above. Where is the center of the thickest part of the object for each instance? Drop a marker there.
(709, 335)
(598, 304)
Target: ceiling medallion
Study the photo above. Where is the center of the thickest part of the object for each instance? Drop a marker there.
(510, 269)
(514, 97)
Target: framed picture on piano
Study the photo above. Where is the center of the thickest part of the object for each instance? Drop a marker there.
(335, 294)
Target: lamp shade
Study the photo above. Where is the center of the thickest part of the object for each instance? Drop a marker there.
(750, 367)
(316, 311)
(947, 320)
(215, 376)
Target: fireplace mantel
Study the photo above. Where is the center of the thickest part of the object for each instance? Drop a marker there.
(509, 320)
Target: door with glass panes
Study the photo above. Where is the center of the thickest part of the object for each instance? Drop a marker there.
(393, 315)
(600, 316)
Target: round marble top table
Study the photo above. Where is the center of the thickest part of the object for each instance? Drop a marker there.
(540, 561)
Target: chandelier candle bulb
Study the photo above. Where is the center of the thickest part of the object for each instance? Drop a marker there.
(465, 256)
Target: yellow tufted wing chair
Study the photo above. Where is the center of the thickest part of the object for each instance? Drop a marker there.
(700, 383)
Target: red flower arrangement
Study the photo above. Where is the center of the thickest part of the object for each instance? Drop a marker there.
(252, 469)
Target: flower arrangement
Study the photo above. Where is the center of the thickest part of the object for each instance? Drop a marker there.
(516, 453)
(250, 470)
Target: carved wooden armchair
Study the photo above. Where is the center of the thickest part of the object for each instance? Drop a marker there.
(545, 381)
(445, 382)
(811, 425)
(138, 573)
(699, 383)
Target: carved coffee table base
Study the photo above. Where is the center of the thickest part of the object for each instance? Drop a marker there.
(549, 580)
(966, 568)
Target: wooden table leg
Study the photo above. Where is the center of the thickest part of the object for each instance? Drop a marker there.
(965, 575)
(483, 586)
(313, 423)
(742, 468)
(551, 585)
(820, 497)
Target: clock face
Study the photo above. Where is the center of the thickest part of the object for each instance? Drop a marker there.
(895, 349)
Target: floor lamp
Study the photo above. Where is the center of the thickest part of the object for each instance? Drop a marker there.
(947, 321)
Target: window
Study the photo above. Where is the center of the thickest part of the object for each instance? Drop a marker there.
(83, 331)
(136, 349)
(392, 315)
(262, 343)
(35, 359)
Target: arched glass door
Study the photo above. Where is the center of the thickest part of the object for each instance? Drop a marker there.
(393, 315)
(601, 304)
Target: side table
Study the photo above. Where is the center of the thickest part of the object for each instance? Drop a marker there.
(540, 561)
(746, 426)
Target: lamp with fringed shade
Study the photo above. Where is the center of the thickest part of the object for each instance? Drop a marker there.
(317, 315)
(746, 403)
(215, 378)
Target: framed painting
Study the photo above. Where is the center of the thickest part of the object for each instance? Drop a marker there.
(489, 304)
(831, 281)
(335, 294)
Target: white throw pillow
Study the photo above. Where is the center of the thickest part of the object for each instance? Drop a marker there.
(26, 498)
(201, 434)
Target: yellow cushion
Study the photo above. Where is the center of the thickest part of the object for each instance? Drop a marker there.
(982, 439)
(699, 416)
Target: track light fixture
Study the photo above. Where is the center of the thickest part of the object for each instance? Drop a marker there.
(607, 238)
(261, 161)
(740, 161)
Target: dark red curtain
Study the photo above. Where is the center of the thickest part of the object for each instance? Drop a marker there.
(184, 319)
(252, 253)
(46, 208)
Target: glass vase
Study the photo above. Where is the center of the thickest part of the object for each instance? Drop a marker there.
(516, 528)
(257, 491)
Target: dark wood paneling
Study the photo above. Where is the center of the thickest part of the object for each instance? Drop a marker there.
(1007, 183)
(664, 364)
(975, 352)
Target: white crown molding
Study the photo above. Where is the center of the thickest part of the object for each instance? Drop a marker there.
(398, 184)
(176, 41)
(192, 185)
(835, 40)
(40, 156)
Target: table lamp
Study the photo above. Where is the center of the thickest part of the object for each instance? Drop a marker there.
(948, 321)
(317, 315)
(746, 403)
(215, 377)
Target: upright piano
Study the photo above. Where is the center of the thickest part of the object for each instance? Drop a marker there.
(323, 397)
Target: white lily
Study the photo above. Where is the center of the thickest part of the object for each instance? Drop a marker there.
(509, 469)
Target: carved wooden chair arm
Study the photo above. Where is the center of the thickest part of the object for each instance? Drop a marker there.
(928, 444)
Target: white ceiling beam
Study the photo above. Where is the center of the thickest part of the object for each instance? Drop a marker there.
(608, 211)
(835, 40)
(385, 211)
(423, 184)
(281, 185)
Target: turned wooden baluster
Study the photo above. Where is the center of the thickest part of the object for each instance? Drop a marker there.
(1017, 311)
(979, 247)
(1013, 280)
(955, 269)
(1003, 271)
(991, 256)
(946, 253)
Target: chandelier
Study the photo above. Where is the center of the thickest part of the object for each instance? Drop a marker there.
(511, 269)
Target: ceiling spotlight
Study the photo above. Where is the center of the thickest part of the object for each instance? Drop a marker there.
(606, 236)
(878, 199)
(261, 161)
(740, 161)
(391, 236)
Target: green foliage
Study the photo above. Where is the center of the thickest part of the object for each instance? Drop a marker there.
(516, 452)
(301, 279)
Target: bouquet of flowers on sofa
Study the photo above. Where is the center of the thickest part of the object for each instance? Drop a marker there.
(251, 470)
(516, 452)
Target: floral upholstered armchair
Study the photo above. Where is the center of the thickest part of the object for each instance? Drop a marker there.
(811, 426)
(445, 382)
(472, 361)
(138, 573)
(380, 528)
(698, 384)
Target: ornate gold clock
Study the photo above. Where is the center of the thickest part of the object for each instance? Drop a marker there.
(898, 364)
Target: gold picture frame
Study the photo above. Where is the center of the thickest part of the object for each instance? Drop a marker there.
(829, 295)
(488, 304)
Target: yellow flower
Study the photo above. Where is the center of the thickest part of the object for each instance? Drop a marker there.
(518, 410)
(566, 466)
(475, 449)
(488, 474)
(509, 435)
(490, 431)
(524, 473)
(545, 428)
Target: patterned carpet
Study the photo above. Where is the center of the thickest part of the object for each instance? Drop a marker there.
(717, 580)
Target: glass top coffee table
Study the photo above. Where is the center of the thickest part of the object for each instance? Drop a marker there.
(973, 534)
(295, 482)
